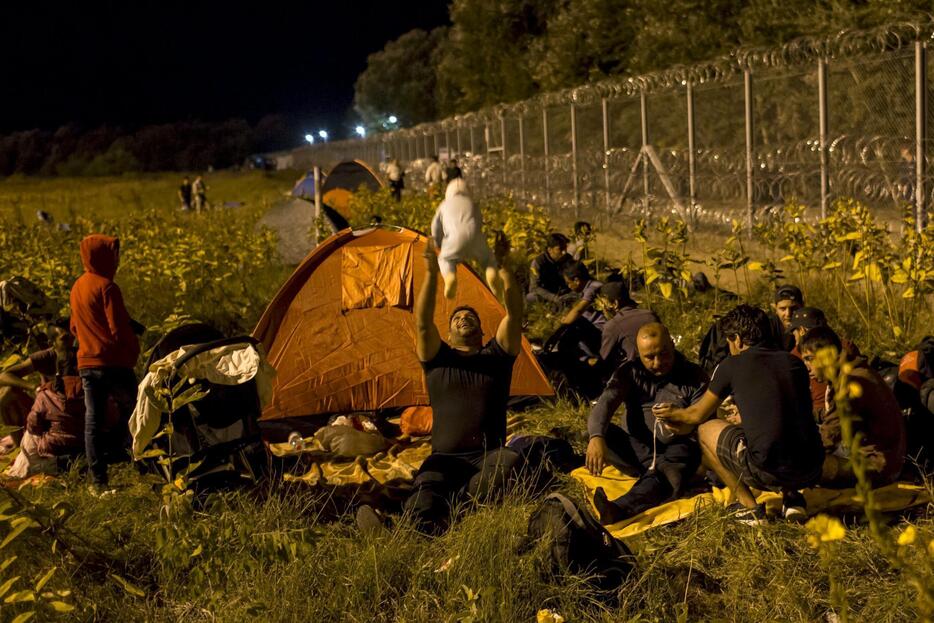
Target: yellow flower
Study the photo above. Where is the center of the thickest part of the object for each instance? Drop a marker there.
(548, 616)
(931, 548)
(823, 529)
(907, 537)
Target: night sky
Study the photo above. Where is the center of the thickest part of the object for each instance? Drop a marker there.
(131, 63)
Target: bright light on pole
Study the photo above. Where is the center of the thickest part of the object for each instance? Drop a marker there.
(393, 119)
(323, 134)
(310, 138)
(360, 130)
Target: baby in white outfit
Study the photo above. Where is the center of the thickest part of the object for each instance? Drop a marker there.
(457, 231)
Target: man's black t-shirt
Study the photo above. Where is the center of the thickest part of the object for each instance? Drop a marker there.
(185, 191)
(468, 395)
(772, 390)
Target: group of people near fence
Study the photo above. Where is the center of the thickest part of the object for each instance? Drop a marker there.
(765, 407)
(192, 195)
(437, 175)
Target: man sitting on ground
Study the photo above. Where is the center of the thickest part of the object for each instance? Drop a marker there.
(574, 348)
(874, 410)
(664, 461)
(777, 446)
(618, 342)
(787, 299)
(546, 273)
(468, 387)
(802, 321)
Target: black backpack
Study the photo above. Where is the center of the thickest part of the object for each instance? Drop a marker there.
(578, 543)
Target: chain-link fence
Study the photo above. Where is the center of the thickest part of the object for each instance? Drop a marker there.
(713, 142)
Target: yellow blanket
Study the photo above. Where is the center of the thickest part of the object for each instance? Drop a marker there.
(396, 465)
(894, 497)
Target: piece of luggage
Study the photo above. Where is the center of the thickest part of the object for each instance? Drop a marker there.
(579, 544)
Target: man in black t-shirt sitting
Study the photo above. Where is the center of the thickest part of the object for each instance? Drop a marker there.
(468, 387)
(778, 446)
(664, 461)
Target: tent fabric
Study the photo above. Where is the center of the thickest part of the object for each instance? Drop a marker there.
(305, 187)
(334, 359)
(894, 497)
(376, 276)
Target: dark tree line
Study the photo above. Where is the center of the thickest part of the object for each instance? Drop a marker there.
(498, 51)
(111, 150)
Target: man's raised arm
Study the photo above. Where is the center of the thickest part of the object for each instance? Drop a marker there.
(509, 332)
(427, 339)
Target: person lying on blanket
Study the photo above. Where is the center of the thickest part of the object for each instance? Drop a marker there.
(874, 408)
(468, 388)
(663, 460)
(777, 447)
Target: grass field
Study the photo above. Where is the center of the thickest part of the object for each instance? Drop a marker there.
(289, 553)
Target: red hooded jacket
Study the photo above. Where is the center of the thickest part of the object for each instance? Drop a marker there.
(99, 318)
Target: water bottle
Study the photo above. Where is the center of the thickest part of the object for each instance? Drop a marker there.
(296, 441)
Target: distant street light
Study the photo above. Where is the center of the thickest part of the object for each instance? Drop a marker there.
(323, 134)
(360, 130)
(393, 119)
(310, 138)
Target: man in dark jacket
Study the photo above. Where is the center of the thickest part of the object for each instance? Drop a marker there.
(618, 343)
(664, 461)
(546, 278)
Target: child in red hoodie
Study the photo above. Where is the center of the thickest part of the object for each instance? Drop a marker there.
(107, 349)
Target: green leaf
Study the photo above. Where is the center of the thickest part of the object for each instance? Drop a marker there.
(20, 597)
(6, 586)
(24, 617)
(45, 579)
(15, 532)
(754, 266)
(6, 429)
(61, 606)
(6, 563)
(127, 586)
(665, 288)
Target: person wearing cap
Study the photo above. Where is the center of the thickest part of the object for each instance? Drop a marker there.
(787, 299)
(873, 407)
(618, 343)
(664, 461)
(546, 273)
(802, 321)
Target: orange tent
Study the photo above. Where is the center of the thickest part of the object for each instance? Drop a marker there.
(341, 333)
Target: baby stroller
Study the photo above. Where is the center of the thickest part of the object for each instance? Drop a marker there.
(214, 440)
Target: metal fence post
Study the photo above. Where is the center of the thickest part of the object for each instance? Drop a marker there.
(606, 154)
(437, 143)
(822, 103)
(577, 198)
(457, 134)
(502, 136)
(921, 132)
(644, 113)
(473, 149)
(545, 145)
(692, 163)
(447, 141)
(747, 94)
(522, 153)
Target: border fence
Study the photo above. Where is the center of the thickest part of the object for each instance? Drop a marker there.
(732, 138)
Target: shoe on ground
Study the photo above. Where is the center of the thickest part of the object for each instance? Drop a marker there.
(794, 507)
(369, 522)
(747, 516)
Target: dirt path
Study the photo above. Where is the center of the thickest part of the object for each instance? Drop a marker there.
(293, 220)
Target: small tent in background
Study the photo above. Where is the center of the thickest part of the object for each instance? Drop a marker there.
(343, 181)
(305, 187)
(341, 332)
